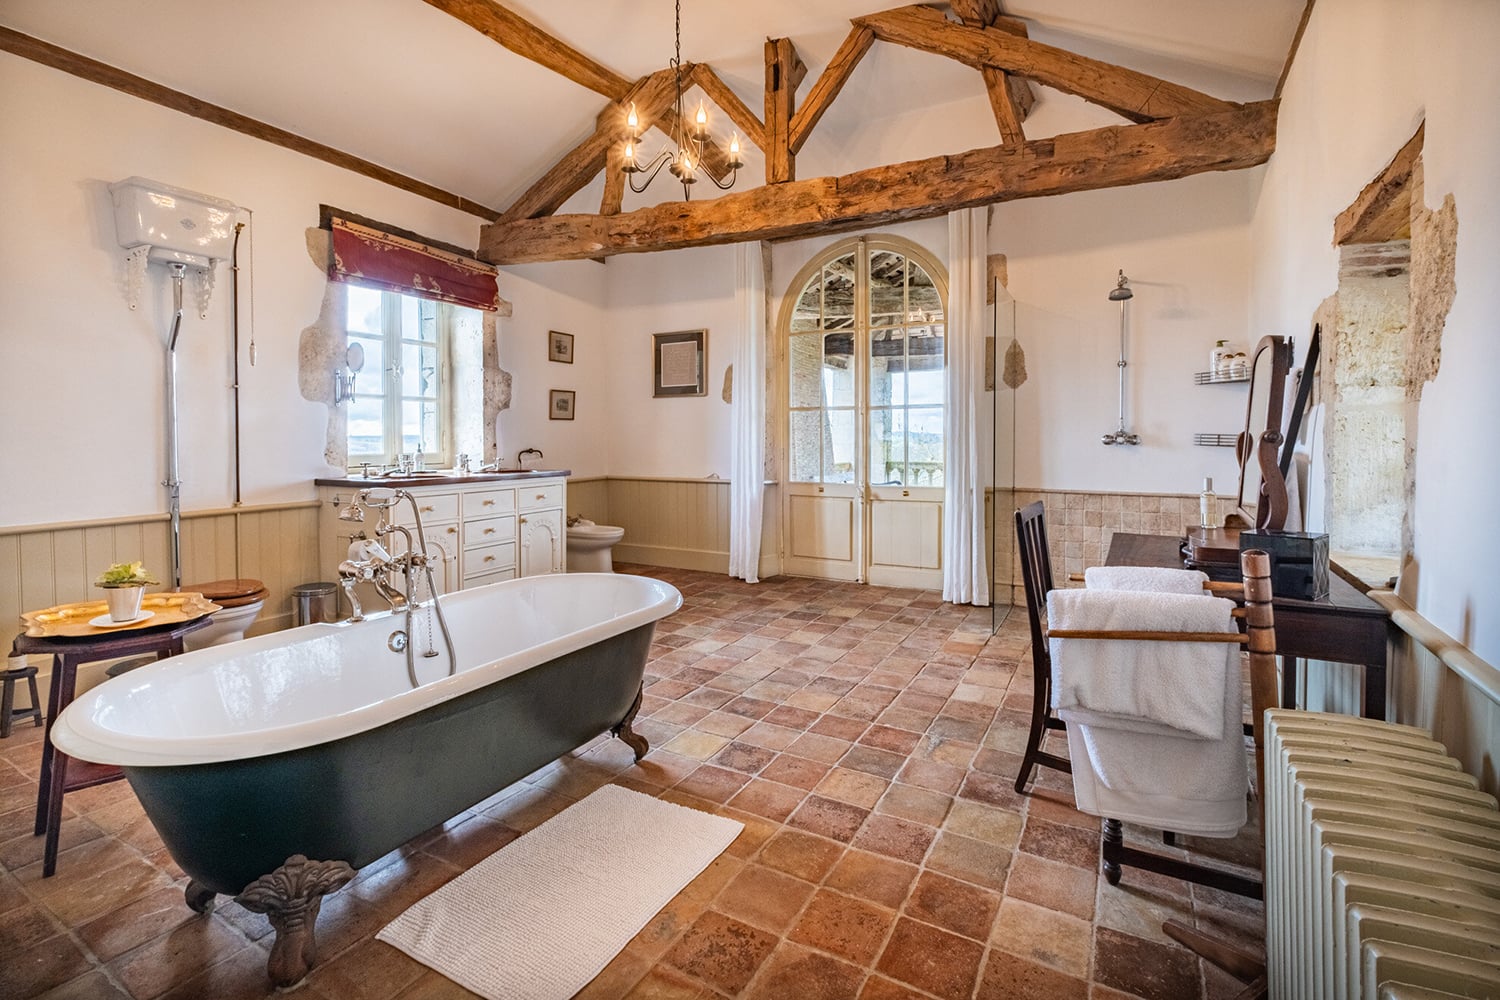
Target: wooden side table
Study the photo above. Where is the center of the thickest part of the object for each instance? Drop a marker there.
(60, 773)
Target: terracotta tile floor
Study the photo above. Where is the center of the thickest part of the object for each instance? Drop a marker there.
(867, 738)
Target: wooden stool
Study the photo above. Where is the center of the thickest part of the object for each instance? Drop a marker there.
(8, 710)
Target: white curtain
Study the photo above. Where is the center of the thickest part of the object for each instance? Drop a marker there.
(965, 569)
(747, 414)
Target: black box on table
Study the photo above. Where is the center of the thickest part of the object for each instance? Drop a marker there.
(1299, 561)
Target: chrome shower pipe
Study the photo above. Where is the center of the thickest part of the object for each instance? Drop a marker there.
(1121, 293)
(172, 483)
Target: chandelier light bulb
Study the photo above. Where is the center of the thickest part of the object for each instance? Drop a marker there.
(633, 120)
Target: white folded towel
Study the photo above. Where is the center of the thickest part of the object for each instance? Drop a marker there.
(1179, 685)
(1158, 578)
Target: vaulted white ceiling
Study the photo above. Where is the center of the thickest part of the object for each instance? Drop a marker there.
(407, 86)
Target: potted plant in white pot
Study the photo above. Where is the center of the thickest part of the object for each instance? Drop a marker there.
(124, 584)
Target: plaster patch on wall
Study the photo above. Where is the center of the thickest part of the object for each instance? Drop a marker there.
(1015, 365)
(497, 385)
(320, 352)
(1434, 238)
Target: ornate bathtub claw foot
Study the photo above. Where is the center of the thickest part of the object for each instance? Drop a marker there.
(291, 897)
(200, 898)
(630, 737)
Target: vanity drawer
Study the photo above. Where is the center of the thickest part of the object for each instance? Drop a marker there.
(484, 503)
(434, 507)
(488, 560)
(541, 495)
(499, 576)
(490, 531)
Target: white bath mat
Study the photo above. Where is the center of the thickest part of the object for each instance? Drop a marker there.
(543, 915)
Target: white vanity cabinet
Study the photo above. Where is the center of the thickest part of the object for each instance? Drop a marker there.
(477, 532)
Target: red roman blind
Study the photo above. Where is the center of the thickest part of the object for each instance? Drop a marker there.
(379, 259)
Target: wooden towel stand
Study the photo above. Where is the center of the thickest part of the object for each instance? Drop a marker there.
(1260, 638)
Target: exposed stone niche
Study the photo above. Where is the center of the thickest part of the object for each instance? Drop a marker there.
(320, 354)
(1382, 345)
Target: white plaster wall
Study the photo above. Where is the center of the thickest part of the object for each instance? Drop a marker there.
(1184, 245)
(567, 296)
(1367, 73)
(82, 411)
(686, 436)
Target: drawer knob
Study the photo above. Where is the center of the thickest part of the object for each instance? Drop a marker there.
(541, 496)
(489, 531)
(523, 520)
(429, 508)
(489, 558)
(452, 530)
(489, 503)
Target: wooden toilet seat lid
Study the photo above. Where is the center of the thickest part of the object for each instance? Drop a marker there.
(230, 593)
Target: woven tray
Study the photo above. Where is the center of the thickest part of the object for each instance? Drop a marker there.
(73, 619)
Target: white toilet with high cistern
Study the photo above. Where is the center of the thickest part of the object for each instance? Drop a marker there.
(589, 546)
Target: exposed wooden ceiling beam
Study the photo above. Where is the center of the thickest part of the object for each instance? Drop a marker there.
(148, 90)
(1138, 97)
(651, 97)
(729, 102)
(1010, 96)
(1382, 212)
(828, 85)
(525, 39)
(1291, 52)
(784, 70)
(1106, 157)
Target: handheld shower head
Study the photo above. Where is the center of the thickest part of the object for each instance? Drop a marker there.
(1121, 291)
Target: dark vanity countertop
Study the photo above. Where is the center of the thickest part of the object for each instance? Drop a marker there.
(444, 479)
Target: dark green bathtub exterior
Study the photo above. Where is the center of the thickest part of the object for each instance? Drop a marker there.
(360, 797)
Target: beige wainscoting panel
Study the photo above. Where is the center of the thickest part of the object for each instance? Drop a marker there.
(682, 523)
(589, 498)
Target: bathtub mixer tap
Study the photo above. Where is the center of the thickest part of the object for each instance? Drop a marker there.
(370, 562)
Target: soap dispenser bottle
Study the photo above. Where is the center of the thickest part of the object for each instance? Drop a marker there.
(1208, 505)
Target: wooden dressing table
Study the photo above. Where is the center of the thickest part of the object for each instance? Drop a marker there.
(1344, 627)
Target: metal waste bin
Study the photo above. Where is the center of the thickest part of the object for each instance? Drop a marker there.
(314, 602)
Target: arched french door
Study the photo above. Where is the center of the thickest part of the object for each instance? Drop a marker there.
(864, 324)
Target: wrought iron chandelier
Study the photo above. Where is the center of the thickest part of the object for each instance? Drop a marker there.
(685, 161)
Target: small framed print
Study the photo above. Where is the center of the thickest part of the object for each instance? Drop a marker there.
(560, 347)
(560, 403)
(680, 361)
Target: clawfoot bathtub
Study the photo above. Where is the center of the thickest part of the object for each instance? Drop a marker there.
(252, 758)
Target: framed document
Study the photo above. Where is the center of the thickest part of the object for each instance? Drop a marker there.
(560, 347)
(680, 363)
(561, 404)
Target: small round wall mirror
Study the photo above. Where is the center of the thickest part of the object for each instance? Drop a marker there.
(354, 357)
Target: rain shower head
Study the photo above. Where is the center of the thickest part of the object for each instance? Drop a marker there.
(1121, 291)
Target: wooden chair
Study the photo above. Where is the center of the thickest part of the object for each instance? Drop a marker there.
(1260, 637)
(1036, 575)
